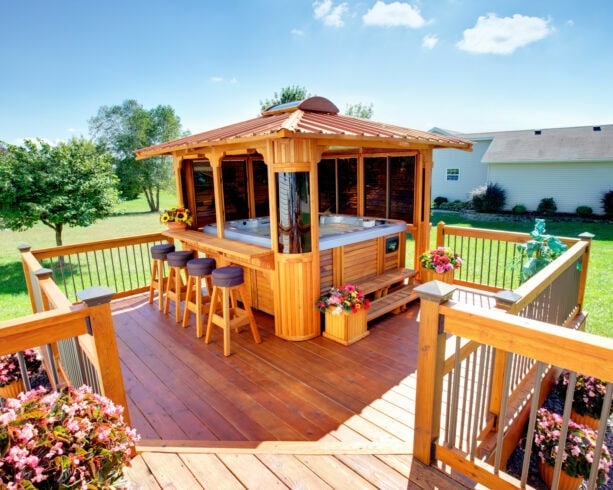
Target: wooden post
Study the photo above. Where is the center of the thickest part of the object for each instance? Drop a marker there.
(586, 237)
(430, 360)
(440, 234)
(177, 163)
(23, 249)
(98, 301)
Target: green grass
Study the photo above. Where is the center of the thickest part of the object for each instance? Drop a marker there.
(598, 291)
(134, 219)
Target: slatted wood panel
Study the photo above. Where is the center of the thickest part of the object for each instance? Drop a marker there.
(325, 268)
(359, 260)
(261, 291)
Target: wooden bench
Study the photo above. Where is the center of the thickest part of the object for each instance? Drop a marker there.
(381, 283)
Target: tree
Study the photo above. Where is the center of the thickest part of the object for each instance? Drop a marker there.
(292, 93)
(360, 110)
(121, 129)
(69, 184)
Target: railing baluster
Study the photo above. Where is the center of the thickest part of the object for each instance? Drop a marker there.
(455, 394)
(602, 430)
(24, 371)
(531, 424)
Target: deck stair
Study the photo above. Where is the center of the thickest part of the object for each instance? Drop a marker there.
(391, 290)
(280, 464)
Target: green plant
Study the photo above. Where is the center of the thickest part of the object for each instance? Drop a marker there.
(348, 298)
(519, 209)
(9, 366)
(439, 200)
(589, 394)
(176, 214)
(441, 259)
(547, 206)
(456, 205)
(607, 203)
(584, 211)
(489, 198)
(578, 448)
(538, 252)
(71, 439)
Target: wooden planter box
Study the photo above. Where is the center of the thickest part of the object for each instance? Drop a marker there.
(346, 328)
(428, 275)
(12, 389)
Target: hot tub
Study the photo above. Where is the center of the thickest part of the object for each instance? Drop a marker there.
(334, 230)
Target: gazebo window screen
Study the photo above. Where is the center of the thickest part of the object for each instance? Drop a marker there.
(389, 187)
(338, 185)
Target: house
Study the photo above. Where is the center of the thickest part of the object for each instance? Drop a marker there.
(572, 165)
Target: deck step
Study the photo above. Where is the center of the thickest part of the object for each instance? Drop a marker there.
(385, 304)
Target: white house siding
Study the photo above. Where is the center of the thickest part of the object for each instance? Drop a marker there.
(570, 184)
(473, 173)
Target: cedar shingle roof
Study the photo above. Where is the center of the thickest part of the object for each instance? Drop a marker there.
(304, 123)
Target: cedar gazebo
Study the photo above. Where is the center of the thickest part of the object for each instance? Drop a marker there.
(316, 161)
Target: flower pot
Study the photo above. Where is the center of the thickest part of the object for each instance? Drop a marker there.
(584, 419)
(565, 482)
(176, 226)
(346, 328)
(428, 275)
(12, 389)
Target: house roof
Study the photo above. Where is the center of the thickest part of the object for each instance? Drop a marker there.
(310, 118)
(575, 144)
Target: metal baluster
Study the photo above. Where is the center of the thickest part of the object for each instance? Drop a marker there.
(602, 430)
(24, 371)
(531, 424)
(570, 390)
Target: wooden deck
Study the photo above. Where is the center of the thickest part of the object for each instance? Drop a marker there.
(356, 402)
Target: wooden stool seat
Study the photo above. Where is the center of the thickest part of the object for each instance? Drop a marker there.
(175, 286)
(158, 278)
(228, 286)
(198, 270)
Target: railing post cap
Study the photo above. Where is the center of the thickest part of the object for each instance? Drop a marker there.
(95, 295)
(506, 298)
(436, 291)
(586, 235)
(24, 247)
(43, 273)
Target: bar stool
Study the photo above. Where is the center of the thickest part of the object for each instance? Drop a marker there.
(158, 279)
(228, 284)
(175, 287)
(197, 271)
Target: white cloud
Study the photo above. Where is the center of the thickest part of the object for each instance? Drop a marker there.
(330, 15)
(216, 79)
(297, 32)
(233, 81)
(429, 41)
(393, 14)
(504, 35)
(570, 22)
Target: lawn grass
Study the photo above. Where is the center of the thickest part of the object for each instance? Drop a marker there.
(133, 218)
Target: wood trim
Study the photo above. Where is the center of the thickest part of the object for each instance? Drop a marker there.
(505, 236)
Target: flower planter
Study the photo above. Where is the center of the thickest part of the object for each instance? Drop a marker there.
(428, 275)
(12, 389)
(565, 482)
(346, 328)
(176, 226)
(584, 419)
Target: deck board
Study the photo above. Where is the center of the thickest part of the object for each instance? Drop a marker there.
(181, 389)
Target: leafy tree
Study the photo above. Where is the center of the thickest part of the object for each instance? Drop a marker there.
(121, 129)
(287, 94)
(360, 110)
(69, 184)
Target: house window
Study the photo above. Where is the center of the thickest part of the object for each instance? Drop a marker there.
(453, 174)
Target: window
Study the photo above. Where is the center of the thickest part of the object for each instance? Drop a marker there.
(453, 174)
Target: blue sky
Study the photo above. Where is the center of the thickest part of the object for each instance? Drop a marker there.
(456, 64)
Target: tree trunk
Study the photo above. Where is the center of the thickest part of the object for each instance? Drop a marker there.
(58, 234)
(150, 201)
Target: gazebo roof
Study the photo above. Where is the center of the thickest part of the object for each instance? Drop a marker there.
(314, 117)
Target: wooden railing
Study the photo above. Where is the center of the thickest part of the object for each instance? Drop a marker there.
(488, 255)
(122, 264)
(456, 393)
(77, 340)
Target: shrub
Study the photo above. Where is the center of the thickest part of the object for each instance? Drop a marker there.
(584, 211)
(607, 203)
(519, 209)
(547, 206)
(489, 198)
(440, 200)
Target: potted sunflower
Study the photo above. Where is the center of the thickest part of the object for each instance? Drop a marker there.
(176, 218)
